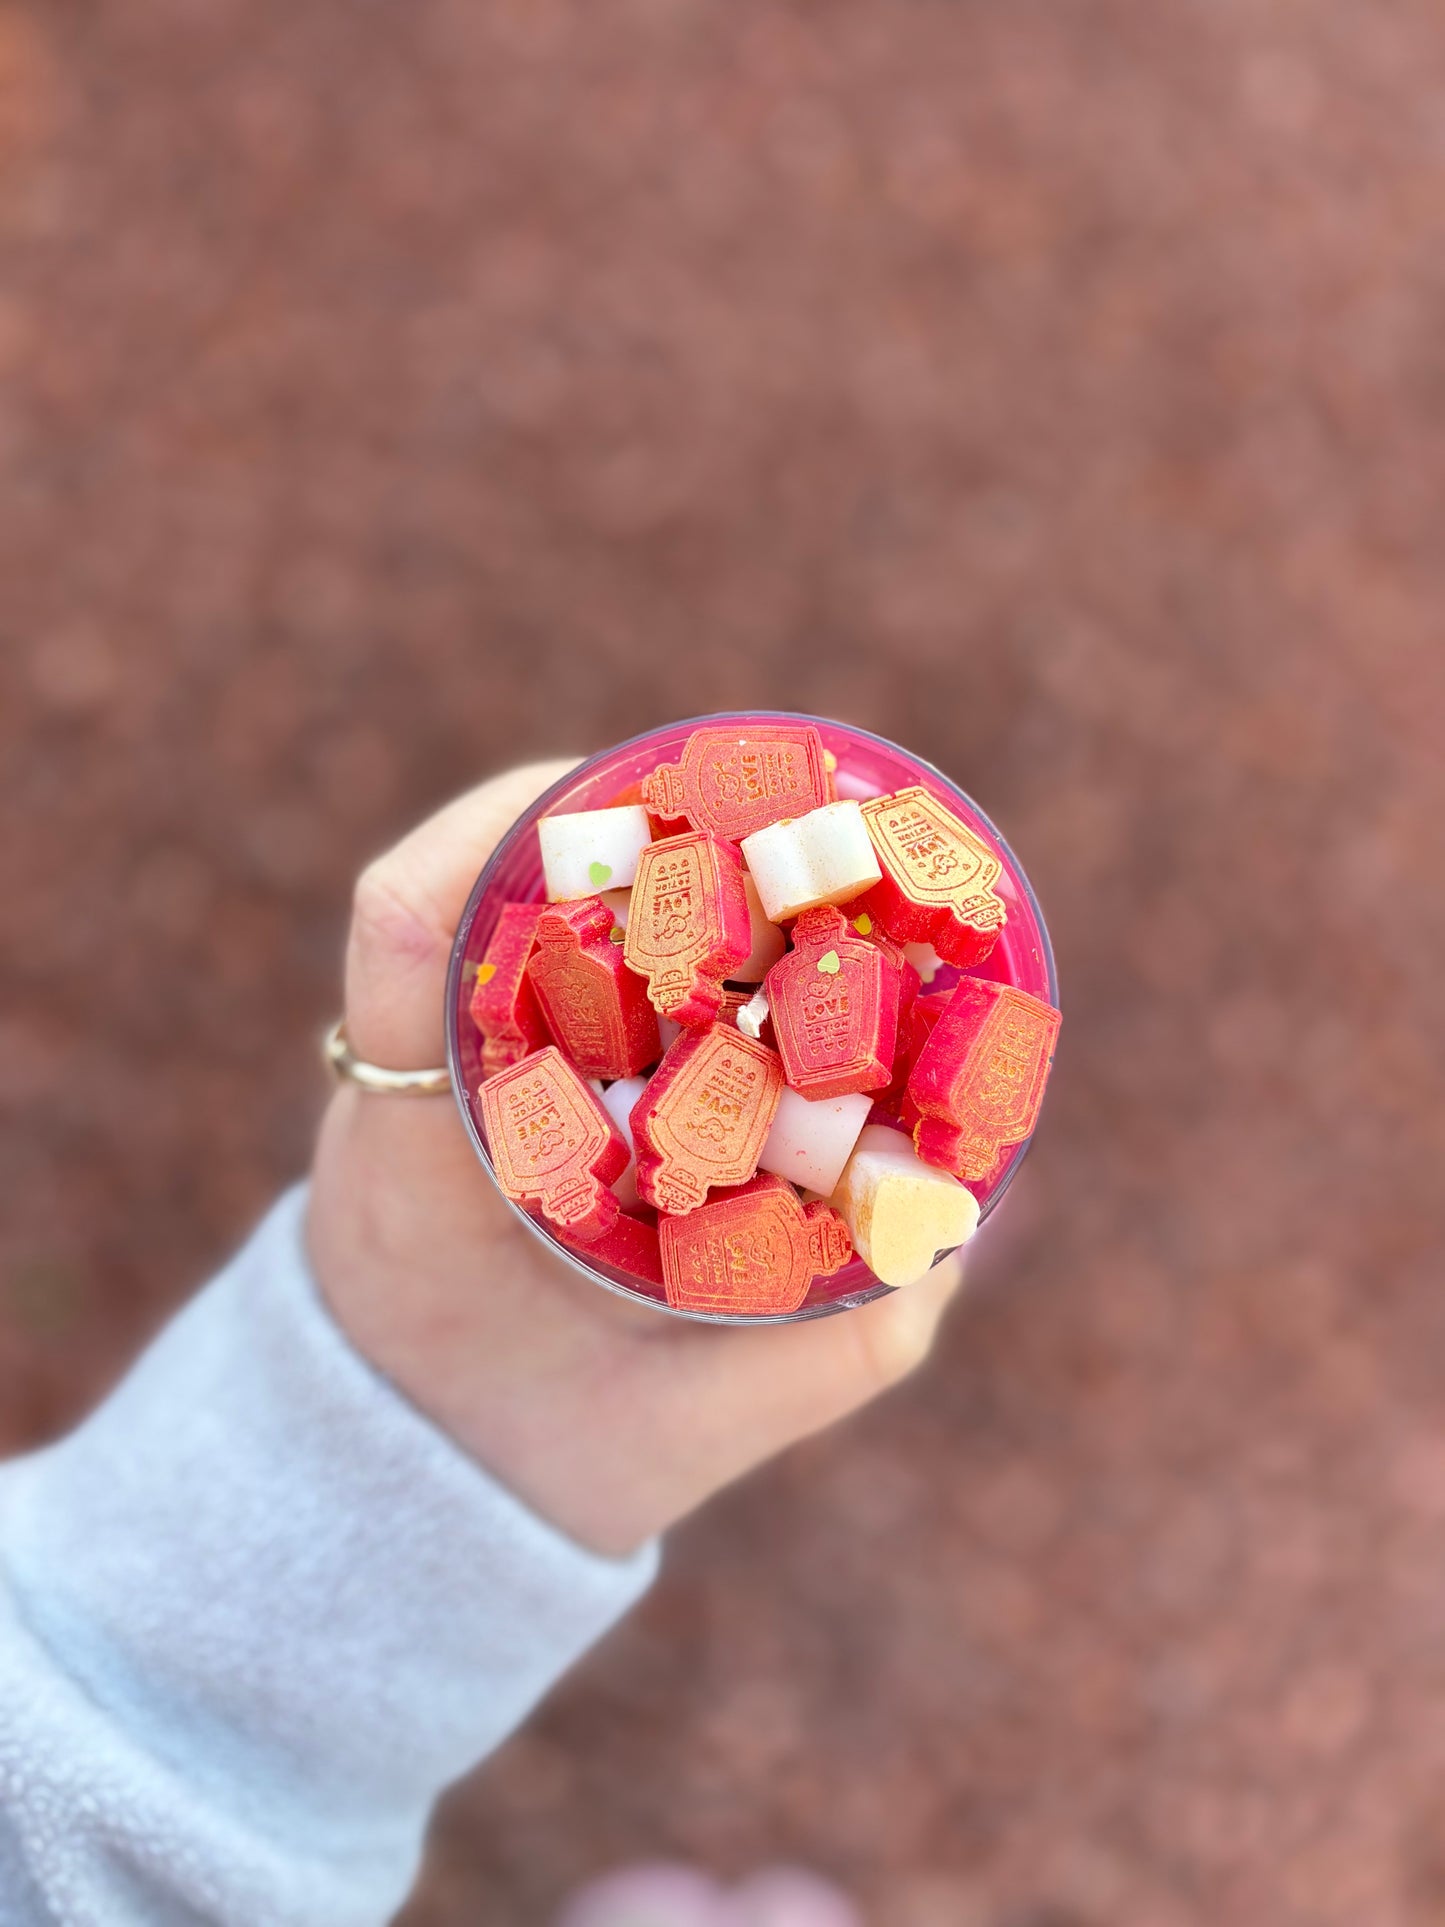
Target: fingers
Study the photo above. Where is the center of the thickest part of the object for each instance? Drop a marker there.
(405, 913)
(757, 1391)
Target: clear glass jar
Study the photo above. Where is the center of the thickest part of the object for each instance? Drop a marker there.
(868, 766)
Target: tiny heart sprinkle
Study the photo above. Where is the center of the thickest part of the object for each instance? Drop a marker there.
(617, 934)
(830, 963)
(485, 973)
(863, 923)
(599, 873)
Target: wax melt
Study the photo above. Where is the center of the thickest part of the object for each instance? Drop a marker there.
(900, 1211)
(688, 926)
(834, 1003)
(631, 1245)
(769, 942)
(751, 1252)
(553, 1146)
(704, 1116)
(618, 1100)
(979, 1079)
(596, 1008)
(823, 857)
(938, 877)
(812, 1139)
(732, 781)
(590, 850)
(504, 1005)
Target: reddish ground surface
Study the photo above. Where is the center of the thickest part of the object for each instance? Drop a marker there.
(394, 392)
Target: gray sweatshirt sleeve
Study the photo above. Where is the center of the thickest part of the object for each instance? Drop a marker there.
(254, 1615)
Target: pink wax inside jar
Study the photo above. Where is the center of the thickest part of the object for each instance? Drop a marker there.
(868, 766)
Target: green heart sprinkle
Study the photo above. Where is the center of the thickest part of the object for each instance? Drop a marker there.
(830, 963)
(617, 934)
(599, 873)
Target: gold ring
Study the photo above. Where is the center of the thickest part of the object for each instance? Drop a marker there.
(372, 1077)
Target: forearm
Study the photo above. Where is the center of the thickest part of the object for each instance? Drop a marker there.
(253, 1616)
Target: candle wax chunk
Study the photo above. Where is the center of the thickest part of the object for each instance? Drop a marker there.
(834, 1001)
(632, 1245)
(901, 1212)
(769, 942)
(618, 1100)
(597, 1009)
(979, 1079)
(750, 1252)
(811, 1140)
(823, 857)
(504, 1005)
(688, 926)
(553, 1147)
(938, 877)
(704, 1116)
(914, 1031)
(585, 851)
(752, 1018)
(925, 960)
(733, 781)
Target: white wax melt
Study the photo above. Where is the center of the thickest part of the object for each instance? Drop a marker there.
(925, 960)
(592, 850)
(811, 1139)
(823, 857)
(619, 902)
(900, 1211)
(618, 1100)
(769, 943)
(754, 1014)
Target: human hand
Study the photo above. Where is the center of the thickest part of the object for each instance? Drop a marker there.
(609, 1419)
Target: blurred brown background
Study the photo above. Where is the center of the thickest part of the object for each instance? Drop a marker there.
(395, 392)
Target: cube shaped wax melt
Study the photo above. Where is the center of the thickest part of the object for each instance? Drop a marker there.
(900, 1211)
(592, 850)
(812, 1139)
(979, 1079)
(554, 1149)
(823, 857)
(597, 1009)
(750, 1252)
(504, 1005)
(734, 781)
(769, 942)
(834, 1002)
(704, 1117)
(618, 1100)
(938, 877)
(688, 925)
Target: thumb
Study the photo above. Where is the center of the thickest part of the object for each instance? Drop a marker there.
(405, 912)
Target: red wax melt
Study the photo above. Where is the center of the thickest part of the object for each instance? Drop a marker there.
(979, 1079)
(553, 1146)
(688, 925)
(504, 1005)
(597, 1008)
(631, 1244)
(733, 782)
(914, 1030)
(834, 1002)
(938, 877)
(751, 1252)
(704, 1117)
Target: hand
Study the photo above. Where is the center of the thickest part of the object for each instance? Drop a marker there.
(610, 1419)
